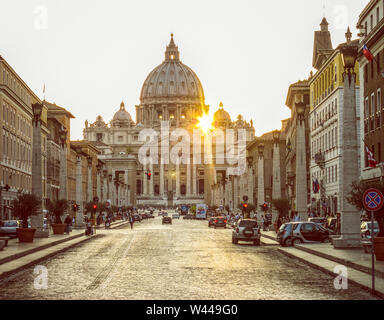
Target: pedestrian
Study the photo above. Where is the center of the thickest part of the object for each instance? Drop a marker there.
(278, 224)
(68, 222)
(338, 224)
(131, 221)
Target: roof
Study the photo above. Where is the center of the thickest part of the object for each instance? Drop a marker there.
(53, 107)
(322, 45)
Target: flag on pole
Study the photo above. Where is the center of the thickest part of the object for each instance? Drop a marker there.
(315, 186)
(371, 160)
(367, 53)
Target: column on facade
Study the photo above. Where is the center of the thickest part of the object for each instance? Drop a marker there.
(151, 182)
(276, 185)
(188, 191)
(194, 179)
(250, 184)
(145, 178)
(111, 190)
(105, 186)
(63, 192)
(89, 180)
(162, 180)
(236, 192)
(301, 172)
(260, 182)
(98, 182)
(79, 191)
(177, 180)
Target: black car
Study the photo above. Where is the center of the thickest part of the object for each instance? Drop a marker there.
(292, 233)
(219, 222)
(167, 220)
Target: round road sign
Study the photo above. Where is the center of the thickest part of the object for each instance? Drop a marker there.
(373, 200)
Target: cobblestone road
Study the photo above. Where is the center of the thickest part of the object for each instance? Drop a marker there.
(185, 260)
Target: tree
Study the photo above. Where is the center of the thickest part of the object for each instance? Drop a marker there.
(26, 205)
(282, 206)
(355, 197)
(58, 208)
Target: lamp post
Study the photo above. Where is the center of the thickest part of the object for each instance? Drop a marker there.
(301, 160)
(350, 218)
(250, 181)
(37, 178)
(260, 174)
(63, 164)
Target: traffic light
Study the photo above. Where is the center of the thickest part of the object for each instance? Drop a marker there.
(264, 207)
(149, 174)
(245, 206)
(75, 207)
(94, 206)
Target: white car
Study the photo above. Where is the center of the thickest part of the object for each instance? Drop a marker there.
(175, 216)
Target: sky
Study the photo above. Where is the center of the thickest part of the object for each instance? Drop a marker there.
(91, 55)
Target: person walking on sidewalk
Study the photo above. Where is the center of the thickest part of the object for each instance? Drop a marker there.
(68, 222)
(131, 221)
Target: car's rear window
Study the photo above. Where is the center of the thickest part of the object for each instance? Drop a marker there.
(248, 223)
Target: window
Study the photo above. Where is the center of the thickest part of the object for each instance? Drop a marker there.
(378, 99)
(366, 73)
(120, 138)
(371, 21)
(373, 107)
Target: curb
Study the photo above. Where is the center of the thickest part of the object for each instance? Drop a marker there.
(325, 270)
(33, 250)
(347, 263)
(31, 263)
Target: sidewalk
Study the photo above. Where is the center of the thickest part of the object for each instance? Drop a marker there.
(17, 255)
(324, 257)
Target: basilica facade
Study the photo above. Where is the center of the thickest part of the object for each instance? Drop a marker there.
(186, 163)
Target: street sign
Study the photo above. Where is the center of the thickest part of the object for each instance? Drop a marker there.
(373, 200)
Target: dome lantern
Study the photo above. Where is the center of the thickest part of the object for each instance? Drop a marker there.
(172, 52)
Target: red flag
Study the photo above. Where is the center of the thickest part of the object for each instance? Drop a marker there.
(367, 53)
(371, 160)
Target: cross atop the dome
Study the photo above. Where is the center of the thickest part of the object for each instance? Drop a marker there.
(122, 106)
(172, 53)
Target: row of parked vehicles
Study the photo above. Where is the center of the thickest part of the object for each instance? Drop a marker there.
(8, 227)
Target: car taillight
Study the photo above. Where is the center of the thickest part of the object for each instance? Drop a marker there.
(225, 221)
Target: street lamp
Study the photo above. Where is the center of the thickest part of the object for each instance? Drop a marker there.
(349, 56)
(63, 135)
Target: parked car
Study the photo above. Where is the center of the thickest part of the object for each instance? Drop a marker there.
(292, 233)
(167, 220)
(366, 229)
(8, 228)
(175, 216)
(210, 221)
(219, 222)
(319, 220)
(137, 217)
(165, 214)
(246, 230)
(331, 225)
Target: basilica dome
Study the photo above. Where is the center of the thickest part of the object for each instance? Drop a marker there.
(122, 118)
(221, 118)
(172, 80)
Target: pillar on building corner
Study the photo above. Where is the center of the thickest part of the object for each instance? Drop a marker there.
(276, 186)
(350, 218)
(301, 161)
(37, 177)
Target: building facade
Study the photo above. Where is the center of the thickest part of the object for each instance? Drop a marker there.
(371, 25)
(183, 169)
(325, 123)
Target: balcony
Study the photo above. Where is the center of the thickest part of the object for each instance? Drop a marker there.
(320, 159)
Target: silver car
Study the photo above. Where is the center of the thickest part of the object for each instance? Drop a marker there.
(366, 229)
(8, 228)
(246, 230)
(292, 233)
